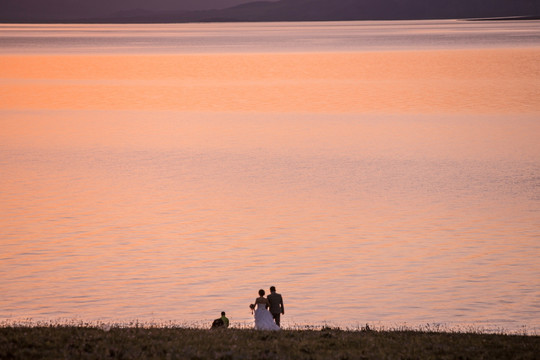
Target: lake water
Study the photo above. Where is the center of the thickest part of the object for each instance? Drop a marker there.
(374, 172)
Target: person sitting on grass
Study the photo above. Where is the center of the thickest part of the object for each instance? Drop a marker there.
(222, 322)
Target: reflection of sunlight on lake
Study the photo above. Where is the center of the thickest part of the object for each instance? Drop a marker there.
(368, 187)
(470, 81)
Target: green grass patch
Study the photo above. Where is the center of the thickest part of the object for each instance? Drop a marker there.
(87, 342)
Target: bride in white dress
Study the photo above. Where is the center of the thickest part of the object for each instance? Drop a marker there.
(263, 318)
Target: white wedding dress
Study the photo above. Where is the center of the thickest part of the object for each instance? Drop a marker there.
(264, 319)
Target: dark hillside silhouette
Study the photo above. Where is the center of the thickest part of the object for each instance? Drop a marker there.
(49, 10)
(302, 10)
(306, 10)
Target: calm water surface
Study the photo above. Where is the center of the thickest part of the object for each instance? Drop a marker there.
(267, 37)
(374, 172)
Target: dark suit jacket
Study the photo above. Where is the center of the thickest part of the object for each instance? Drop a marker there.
(276, 303)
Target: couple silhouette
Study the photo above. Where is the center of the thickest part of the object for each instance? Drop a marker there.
(268, 310)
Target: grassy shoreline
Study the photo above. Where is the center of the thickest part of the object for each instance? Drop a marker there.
(84, 342)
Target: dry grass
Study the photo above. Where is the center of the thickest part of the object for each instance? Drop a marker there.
(135, 342)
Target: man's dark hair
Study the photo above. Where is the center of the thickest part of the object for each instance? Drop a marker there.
(272, 288)
(223, 313)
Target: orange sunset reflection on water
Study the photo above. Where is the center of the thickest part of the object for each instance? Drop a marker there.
(383, 186)
(462, 81)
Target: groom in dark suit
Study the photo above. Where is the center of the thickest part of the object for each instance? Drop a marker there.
(276, 304)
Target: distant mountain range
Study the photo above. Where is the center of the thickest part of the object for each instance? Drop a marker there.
(133, 11)
(71, 10)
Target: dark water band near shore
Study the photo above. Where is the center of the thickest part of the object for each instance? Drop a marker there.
(55, 342)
